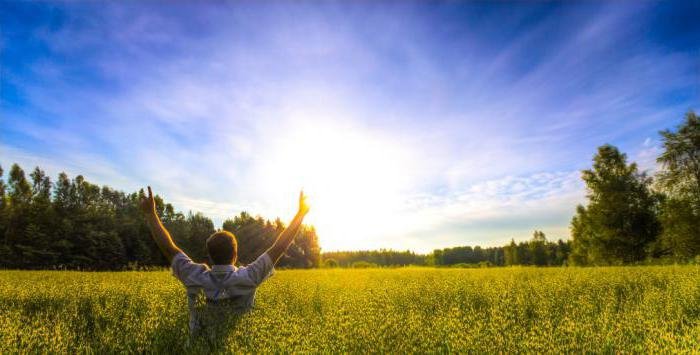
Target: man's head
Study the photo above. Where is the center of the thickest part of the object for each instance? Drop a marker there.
(222, 248)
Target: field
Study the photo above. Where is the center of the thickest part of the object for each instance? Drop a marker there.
(631, 309)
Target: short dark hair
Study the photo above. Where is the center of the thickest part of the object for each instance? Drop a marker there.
(222, 248)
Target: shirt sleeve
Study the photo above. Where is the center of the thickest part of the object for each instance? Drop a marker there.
(186, 270)
(260, 269)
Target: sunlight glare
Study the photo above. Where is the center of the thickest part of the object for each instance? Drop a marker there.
(353, 180)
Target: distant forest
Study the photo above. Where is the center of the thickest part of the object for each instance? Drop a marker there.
(629, 218)
(538, 251)
(73, 224)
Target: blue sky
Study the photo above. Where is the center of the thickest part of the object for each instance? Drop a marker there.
(411, 124)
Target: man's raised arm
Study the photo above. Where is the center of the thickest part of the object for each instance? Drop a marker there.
(158, 231)
(284, 240)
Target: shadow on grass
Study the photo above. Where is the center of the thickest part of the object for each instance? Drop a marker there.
(208, 327)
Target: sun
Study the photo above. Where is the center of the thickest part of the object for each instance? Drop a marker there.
(353, 177)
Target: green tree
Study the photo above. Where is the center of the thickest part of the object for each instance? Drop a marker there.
(19, 200)
(256, 234)
(20, 189)
(2, 191)
(200, 228)
(620, 221)
(679, 179)
(561, 252)
(330, 263)
(36, 244)
(5, 251)
(306, 248)
(538, 249)
(510, 253)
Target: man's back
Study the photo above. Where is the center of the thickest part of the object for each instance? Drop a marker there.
(224, 283)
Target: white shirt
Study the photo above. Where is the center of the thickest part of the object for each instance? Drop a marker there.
(237, 285)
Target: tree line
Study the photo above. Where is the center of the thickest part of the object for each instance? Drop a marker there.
(537, 251)
(382, 257)
(74, 224)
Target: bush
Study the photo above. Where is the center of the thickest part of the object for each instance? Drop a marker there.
(485, 264)
(330, 263)
(363, 265)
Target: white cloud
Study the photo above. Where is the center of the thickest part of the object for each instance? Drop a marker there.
(493, 211)
(646, 156)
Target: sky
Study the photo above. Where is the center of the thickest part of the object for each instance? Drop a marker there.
(410, 125)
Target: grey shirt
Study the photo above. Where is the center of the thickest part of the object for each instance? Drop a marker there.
(237, 285)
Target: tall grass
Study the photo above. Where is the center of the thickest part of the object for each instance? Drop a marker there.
(631, 309)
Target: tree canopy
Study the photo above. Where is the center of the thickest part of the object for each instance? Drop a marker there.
(620, 221)
(679, 180)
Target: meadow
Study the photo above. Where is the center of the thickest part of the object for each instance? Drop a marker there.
(609, 309)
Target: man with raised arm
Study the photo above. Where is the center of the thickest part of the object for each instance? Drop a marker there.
(223, 281)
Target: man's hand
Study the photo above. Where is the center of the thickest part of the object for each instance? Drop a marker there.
(303, 205)
(287, 236)
(148, 204)
(158, 232)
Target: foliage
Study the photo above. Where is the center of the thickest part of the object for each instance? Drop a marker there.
(382, 257)
(620, 221)
(363, 265)
(537, 251)
(679, 179)
(681, 159)
(468, 255)
(73, 224)
(256, 234)
(330, 263)
(646, 309)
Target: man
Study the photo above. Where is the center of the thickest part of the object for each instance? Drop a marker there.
(224, 282)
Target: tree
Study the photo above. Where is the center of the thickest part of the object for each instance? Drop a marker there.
(2, 191)
(538, 249)
(256, 234)
(17, 211)
(510, 252)
(305, 248)
(5, 252)
(561, 252)
(200, 228)
(582, 252)
(20, 190)
(620, 221)
(679, 179)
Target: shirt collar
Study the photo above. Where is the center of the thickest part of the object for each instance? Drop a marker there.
(217, 268)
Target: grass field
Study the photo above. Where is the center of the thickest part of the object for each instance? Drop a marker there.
(637, 309)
